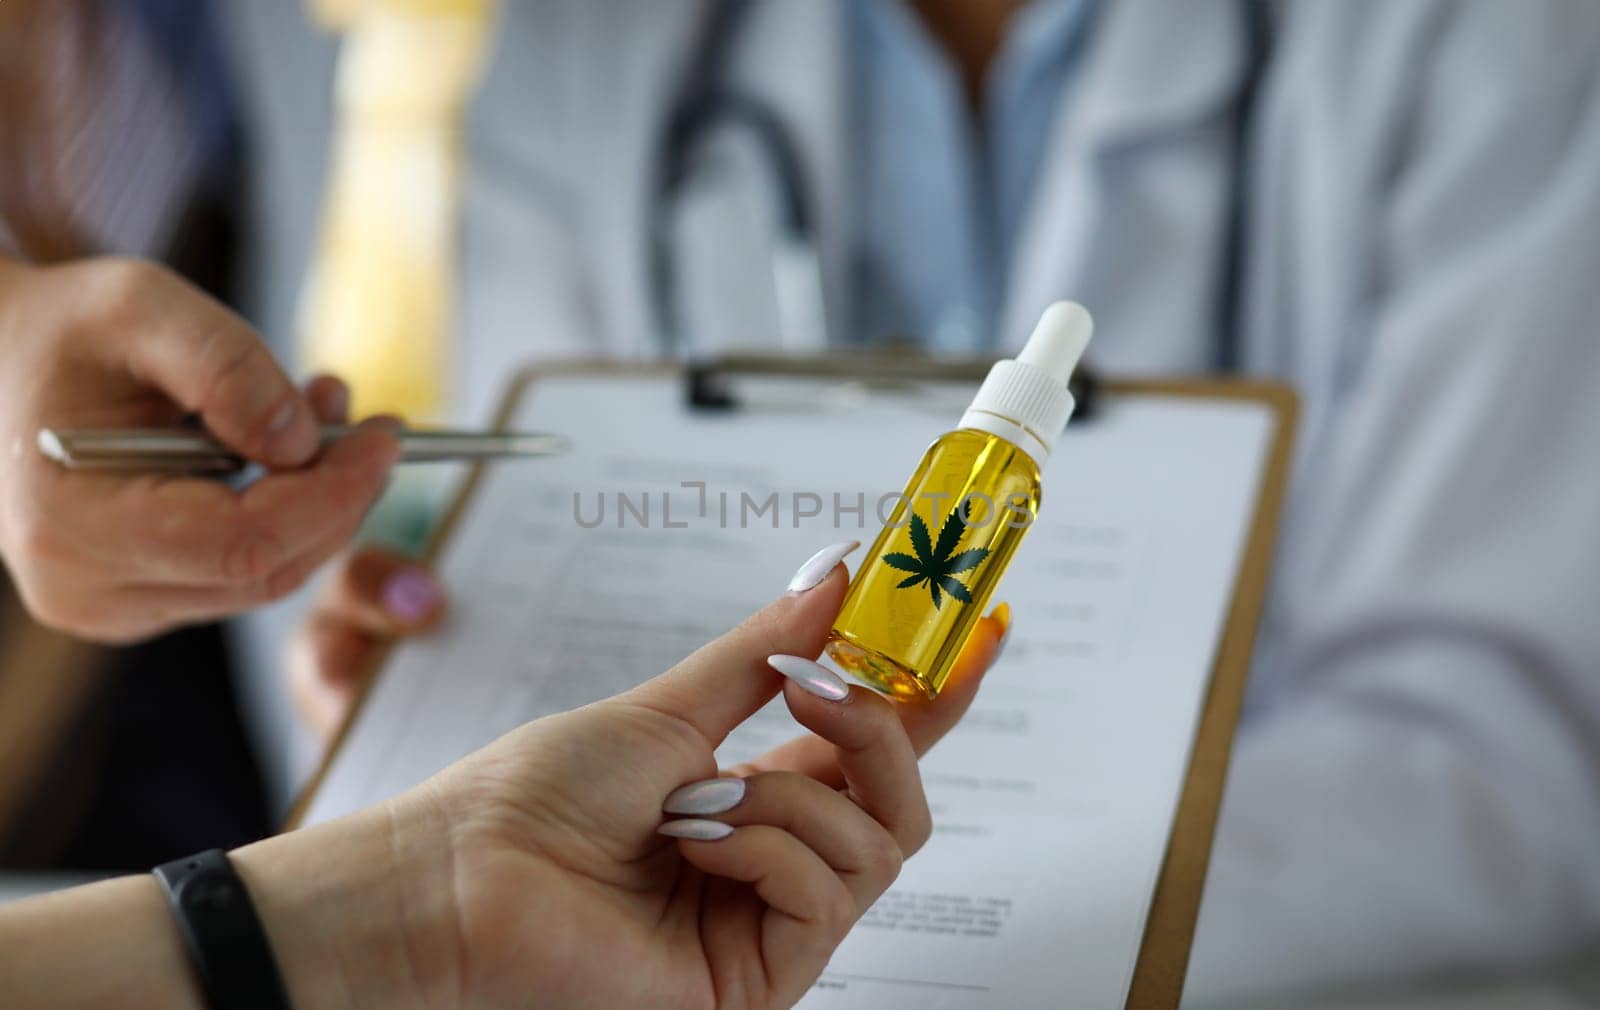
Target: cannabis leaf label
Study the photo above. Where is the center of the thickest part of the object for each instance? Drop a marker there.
(938, 564)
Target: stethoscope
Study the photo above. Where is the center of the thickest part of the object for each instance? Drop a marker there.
(706, 101)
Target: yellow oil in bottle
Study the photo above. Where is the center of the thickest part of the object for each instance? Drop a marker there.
(929, 575)
(931, 571)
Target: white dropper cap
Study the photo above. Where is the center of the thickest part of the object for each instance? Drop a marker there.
(1025, 401)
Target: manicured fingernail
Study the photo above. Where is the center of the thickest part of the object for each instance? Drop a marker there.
(811, 675)
(410, 595)
(711, 796)
(1002, 614)
(819, 565)
(700, 831)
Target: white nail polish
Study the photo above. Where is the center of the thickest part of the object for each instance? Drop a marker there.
(700, 831)
(711, 796)
(819, 565)
(811, 675)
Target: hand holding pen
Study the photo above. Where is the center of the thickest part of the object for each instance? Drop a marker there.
(118, 556)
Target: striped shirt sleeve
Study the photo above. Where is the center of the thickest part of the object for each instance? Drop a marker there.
(104, 157)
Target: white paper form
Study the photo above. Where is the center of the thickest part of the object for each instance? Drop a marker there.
(1053, 800)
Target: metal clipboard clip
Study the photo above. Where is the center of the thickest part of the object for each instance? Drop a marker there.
(756, 381)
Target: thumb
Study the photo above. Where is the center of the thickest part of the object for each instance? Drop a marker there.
(210, 362)
(725, 682)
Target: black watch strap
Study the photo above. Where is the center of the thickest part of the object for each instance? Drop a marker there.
(226, 943)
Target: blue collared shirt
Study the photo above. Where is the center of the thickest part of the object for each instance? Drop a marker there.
(942, 194)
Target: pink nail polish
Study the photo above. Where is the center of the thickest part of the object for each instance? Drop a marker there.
(410, 596)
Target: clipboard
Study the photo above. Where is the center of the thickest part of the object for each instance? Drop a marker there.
(1161, 964)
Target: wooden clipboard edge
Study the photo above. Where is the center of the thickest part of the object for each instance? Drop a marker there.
(1159, 971)
(1163, 959)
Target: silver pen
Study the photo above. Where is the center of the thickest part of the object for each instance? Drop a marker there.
(182, 450)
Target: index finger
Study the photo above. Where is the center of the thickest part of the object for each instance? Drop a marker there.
(727, 681)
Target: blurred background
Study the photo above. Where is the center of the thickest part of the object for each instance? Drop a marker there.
(1395, 206)
(112, 759)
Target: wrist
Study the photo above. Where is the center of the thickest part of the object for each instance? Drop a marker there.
(89, 947)
(358, 911)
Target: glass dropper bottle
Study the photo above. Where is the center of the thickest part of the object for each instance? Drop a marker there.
(930, 573)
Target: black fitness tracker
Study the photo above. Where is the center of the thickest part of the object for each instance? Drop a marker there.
(227, 946)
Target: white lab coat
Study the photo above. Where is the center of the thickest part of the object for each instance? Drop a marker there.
(1417, 788)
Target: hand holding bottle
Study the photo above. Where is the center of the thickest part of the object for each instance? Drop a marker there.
(961, 518)
(537, 869)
